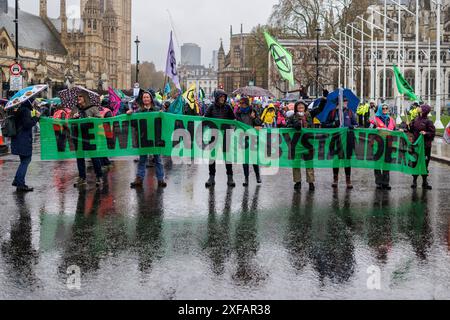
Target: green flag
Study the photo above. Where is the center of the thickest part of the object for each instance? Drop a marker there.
(282, 57)
(403, 86)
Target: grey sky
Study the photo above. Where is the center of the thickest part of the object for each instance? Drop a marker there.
(200, 21)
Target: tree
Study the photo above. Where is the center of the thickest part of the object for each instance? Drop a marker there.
(149, 77)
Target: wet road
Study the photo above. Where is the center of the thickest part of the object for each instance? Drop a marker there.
(185, 242)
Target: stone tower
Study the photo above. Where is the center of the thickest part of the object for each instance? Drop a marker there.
(63, 18)
(110, 37)
(43, 8)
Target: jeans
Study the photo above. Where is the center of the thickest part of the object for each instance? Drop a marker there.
(22, 170)
(142, 167)
(81, 164)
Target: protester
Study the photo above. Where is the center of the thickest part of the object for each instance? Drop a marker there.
(383, 121)
(422, 125)
(22, 143)
(220, 110)
(333, 121)
(268, 117)
(87, 110)
(148, 105)
(302, 120)
(366, 113)
(247, 115)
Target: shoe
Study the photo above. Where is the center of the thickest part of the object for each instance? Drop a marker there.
(211, 182)
(387, 187)
(80, 183)
(312, 187)
(138, 183)
(349, 183)
(258, 180)
(14, 184)
(230, 182)
(336, 182)
(379, 187)
(162, 184)
(99, 182)
(246, 183)
(427, 187)
(298, 186)
(24, 189)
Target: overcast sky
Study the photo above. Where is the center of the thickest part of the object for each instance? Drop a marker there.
(200, 21)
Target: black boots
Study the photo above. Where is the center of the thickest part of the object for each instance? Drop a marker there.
(425, 184)
(211, 182)
(231, 182)
(246, 183)
(24, 189)
(414, 185)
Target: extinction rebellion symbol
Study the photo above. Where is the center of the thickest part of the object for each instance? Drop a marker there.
(173, 63)
(280, 58)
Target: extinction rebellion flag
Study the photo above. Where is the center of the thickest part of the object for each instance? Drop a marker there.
(282, 57)
(403, 86)
(171, 64)
(191, 137)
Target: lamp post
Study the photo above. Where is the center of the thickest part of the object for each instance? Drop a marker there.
(438, 123)
(137, 58)
(318, 30)
(16, 21)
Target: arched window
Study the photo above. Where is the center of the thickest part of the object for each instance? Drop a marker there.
(433, 56)
(410, 77)
(389, 84)
(421, 56)
(3, 45)
(391, 56)
(412, 55)
(431, 84)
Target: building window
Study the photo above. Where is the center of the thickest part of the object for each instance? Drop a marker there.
(412, 55)
(3, 45)
(431, 84)
(391, 56)
(410, 77)
(389, 84)
(433, 56)
(95, 25)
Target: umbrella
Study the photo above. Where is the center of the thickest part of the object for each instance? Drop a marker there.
(253, 91)
(24, 95)
(333, 100)
(447, 134)
(3, 101)
(69, 97)
(55, 101)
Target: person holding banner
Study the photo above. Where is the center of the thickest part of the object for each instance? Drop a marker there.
(382, 121)
(220, 110)
(425, 127)
(87, 110)
(147, 104)
(333, 121)
(247, 115)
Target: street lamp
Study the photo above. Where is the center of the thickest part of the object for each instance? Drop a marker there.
(318, 30)
(16, 21)
(137, 58)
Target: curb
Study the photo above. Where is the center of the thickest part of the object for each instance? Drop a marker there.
(444, 160)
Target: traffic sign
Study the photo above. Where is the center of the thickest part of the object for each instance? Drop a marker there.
(15, 83)
(15, 69)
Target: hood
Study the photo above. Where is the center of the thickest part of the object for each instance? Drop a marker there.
(85, 95)
(426, 109)
(220, 93)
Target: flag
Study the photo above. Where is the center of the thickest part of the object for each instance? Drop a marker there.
(189, 96)
(403, 86)
(120, 94)
(447, 134)
(114, 101)
(171, 64)
(167, 89)
(282, 57)
(176, 107)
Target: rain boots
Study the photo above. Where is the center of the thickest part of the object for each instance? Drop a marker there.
(138, 183)
(230, 182)
(211, 182)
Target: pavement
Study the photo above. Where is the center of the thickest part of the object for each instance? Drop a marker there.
(187, 242)
(441, 151)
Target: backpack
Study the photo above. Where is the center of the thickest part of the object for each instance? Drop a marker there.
(9, 129)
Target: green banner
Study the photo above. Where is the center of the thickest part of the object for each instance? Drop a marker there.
(211, 139)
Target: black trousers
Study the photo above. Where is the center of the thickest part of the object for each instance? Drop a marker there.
(247, 170)
(348, 172)
(212, 169)
(382, 178)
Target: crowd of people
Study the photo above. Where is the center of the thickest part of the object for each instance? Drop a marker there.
(257, 113)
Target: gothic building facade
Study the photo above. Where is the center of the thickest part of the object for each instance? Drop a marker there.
(93, 50)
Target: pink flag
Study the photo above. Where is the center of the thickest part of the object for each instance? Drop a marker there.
(114, 101)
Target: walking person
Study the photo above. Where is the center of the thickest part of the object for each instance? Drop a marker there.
(383, 121)
(220, 110)
(350, 122)
(247, 115)
(147, 104)
(22, 143)
(87, 110)
(422, 125)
